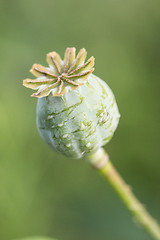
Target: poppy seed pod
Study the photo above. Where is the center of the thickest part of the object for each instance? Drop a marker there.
(76, 110)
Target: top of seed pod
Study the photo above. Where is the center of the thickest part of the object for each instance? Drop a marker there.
(61, 76)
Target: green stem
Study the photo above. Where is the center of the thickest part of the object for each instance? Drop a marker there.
(101, 162)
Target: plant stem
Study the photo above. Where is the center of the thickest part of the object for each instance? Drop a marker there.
(101, 162)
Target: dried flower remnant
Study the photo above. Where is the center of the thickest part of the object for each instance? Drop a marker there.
(61, 76)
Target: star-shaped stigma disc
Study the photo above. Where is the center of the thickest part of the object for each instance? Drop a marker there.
(61, 76)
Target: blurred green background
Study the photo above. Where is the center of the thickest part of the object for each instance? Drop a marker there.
(41, 192)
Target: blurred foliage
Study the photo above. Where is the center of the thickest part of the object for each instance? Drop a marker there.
(42, 192)
(37, 238)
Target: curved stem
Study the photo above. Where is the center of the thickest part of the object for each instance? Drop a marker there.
(101, 162)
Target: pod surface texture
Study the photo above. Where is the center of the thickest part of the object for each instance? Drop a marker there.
(81, 121)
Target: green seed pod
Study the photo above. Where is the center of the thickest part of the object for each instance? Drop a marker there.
(76, 110)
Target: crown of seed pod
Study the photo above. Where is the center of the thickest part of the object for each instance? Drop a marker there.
(76, 111)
